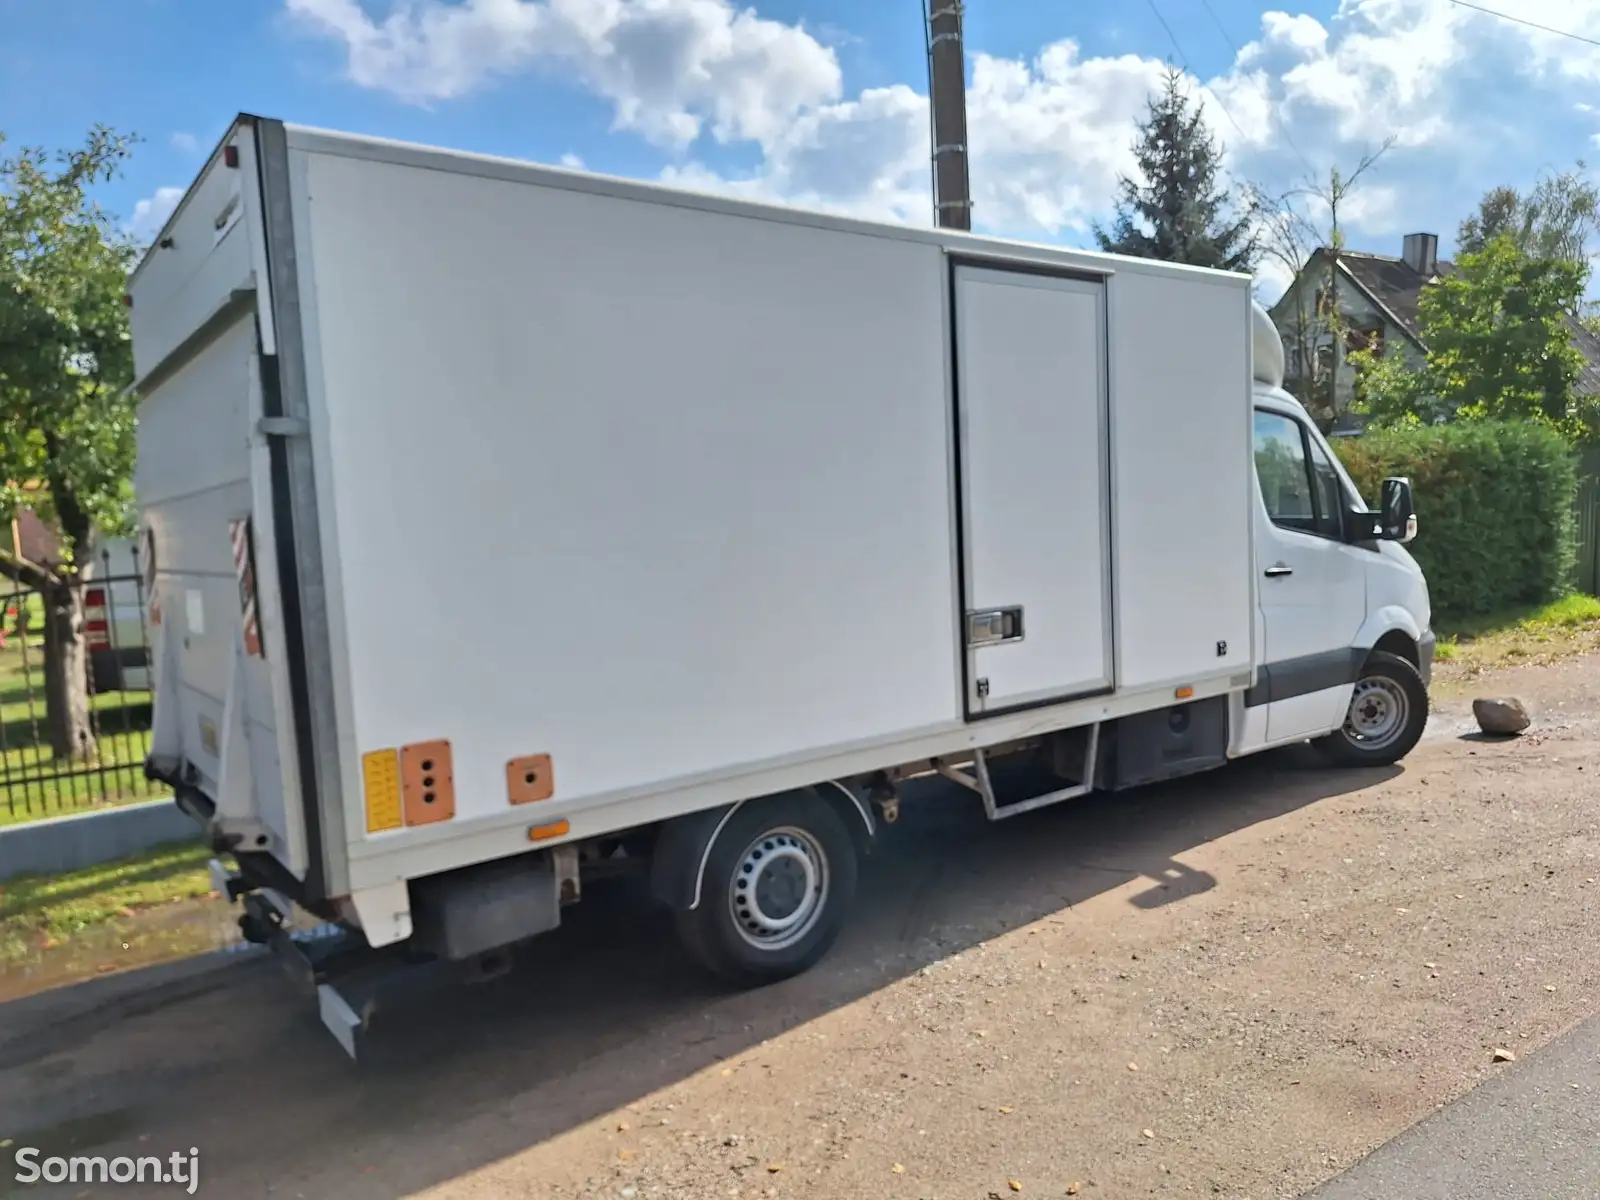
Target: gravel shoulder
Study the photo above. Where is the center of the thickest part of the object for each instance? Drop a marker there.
(1235, 986)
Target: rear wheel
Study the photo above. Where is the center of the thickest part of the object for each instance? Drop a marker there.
(1388, 710)
(778, 885)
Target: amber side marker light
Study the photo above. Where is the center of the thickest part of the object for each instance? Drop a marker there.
(1184, 693)
(543, 833)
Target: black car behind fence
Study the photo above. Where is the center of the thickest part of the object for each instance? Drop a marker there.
(34, 782)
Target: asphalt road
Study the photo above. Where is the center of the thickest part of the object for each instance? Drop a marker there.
(1530, 1133)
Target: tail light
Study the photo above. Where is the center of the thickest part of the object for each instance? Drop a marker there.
(95, 623)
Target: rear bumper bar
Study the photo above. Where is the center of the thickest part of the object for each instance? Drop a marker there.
(349, 979)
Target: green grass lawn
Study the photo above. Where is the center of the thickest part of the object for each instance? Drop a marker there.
(31, 782)
(40, 914)
(1539, 634)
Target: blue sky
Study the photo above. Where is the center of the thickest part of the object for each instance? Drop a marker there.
(821, 102)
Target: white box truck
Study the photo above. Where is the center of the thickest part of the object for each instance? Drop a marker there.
(508, 525)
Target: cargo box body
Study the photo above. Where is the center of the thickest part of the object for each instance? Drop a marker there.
(490, 502)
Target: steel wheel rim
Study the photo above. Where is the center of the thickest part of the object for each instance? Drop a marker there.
(1378, 712)
(779, 888)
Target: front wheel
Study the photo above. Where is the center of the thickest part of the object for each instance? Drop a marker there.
(1387, 713)
(778, 885)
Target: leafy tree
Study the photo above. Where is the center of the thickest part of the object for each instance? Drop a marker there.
(1302, 230)
(1499, 348)
(1177, 210)
(66, 417)
(1558, 218)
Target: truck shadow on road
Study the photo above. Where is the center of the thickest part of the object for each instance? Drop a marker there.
(599, 1014)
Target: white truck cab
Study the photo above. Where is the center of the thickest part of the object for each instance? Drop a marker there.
(1337, 606)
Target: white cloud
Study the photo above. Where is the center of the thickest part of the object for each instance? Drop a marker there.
(184, 143)
(151, 213)
(571, 161)
(670, 68)
(1049, 134)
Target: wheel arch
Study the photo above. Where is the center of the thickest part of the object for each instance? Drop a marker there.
(684, 844)
(1392, 630)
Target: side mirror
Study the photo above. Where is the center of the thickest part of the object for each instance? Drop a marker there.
(1397, 515)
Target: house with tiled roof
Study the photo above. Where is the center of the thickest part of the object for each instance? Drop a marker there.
(1378, 296)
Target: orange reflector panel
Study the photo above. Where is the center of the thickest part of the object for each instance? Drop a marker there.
(428, 782)
(543, 833)
(1184, 693)
(530, 779)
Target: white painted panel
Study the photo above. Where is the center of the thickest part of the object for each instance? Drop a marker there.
(1030, 362)
(194, 475)
(202, 257)
(194, 430)
(1183, 475)
(653, 490)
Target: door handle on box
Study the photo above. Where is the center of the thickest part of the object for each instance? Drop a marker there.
(992, 626)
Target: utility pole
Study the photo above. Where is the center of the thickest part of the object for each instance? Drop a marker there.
(947, 95)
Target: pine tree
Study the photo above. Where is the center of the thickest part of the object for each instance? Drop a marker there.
(1176, 211)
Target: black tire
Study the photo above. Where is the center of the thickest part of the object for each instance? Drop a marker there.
(1388, 683)
(791, 833)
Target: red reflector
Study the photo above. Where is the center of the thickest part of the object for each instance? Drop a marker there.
(230, 156)
(94, 598)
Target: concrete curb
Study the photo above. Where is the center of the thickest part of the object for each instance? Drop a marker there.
(59, 844)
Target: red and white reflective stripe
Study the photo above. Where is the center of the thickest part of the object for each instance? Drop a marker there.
(244, 569)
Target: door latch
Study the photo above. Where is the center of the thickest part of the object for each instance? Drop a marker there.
(992, 626)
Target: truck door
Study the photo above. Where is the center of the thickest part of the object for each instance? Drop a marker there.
(1313, 590)
(1032, 417)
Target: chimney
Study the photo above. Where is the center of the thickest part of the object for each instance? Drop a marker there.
(1421, 253)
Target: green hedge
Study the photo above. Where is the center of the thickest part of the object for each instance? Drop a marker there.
(1494, 509)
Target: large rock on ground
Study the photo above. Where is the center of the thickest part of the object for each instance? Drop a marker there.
(1501, 717)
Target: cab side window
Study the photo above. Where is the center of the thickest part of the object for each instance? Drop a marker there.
(1298, 483)
(1327, 492)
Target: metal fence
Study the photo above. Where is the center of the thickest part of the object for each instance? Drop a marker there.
(1586, 575)
(1587, 571)
(33, 780)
